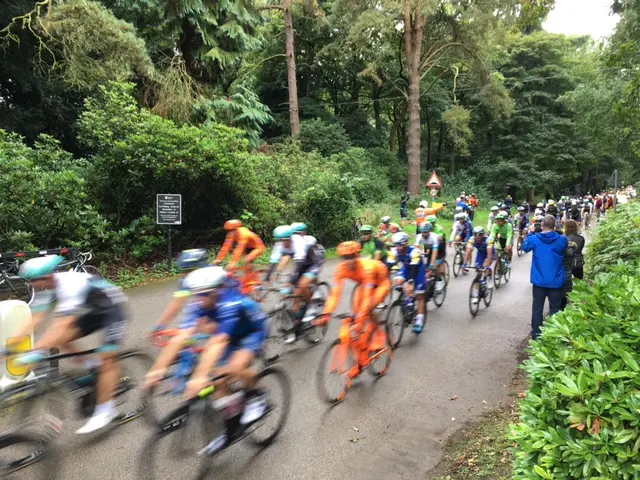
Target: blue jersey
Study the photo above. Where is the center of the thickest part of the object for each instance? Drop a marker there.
(483, 248)
(410, 265)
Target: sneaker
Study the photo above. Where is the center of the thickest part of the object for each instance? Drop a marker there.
(418, 328)
(474, 300)
(440, 284)
(216, 445)
(97, 422)
(290, 338)
(255, 409)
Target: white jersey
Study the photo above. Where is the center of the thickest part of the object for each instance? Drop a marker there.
(431, 242)
(490, 222)
(279, 251)
(301, 246)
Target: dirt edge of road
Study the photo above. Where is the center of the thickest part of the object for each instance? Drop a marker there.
(480, 449)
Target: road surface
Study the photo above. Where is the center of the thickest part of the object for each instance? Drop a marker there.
(393, 428)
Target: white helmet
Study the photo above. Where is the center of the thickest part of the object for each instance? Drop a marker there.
(540, 205)
(424, 204)
(494, 208)
(461, 216)
(205, 279)
(399, 239)
(459, 209)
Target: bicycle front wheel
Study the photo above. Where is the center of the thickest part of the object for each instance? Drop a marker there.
(497, 274)
(519, 246)
(474, 297)
(396, 323)
(333, 379)
(91, 270)
(16, 288)
(19, 450)
(274, 382)
(131, 400)
(457, 264)
(446, 271)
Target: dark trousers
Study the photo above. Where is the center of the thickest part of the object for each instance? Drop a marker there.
(540, 294)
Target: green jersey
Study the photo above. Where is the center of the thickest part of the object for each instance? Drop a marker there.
(505, 231)
(372, 247)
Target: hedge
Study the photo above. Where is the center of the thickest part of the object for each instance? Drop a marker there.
(581, 415)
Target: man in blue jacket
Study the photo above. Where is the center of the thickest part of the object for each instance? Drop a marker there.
(547, 271)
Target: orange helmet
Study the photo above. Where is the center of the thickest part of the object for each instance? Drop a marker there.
(232, 224)
(348, 249)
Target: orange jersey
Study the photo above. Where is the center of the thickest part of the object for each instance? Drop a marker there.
(421, 215)
(370, 274)
(244, 239)
(474, 202)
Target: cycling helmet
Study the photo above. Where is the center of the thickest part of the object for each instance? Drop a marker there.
(192, 258)
(539, 218)
(298, 227)
(431, 219)
(349, 249)
(400, 239)
(232, 224)
(552, 202)
(540, 205)
(205, 279)
(478, 231)
(424, 228)
(366, 229)
(494, 208)
(40, 267)
(474, 195)
(424, 204)
(500, 205)
(459, 209)
(282, 232)
(521, 208)
(394, 227)
(460, 216)
(386, 219)
(573, 203)
(501, 216)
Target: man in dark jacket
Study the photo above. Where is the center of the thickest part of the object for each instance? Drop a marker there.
(547, 271)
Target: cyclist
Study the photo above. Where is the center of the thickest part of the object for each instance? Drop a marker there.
(539, 209)
(598, 206)
(586, 213)
(421, 213)
(573, 212)
(461, 229)
(526, 206)
(246, 243)
(502, 231)
(521, 221)
(83, 305)
(492, 215)
(373, 278)
(480, 242)
(552, 209)
(385, 225)
(371, 247)
(187, 261)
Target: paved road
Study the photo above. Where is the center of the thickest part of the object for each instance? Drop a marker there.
(402, 419)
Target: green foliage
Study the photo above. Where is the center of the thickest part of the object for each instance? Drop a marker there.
(43, 204)
(362, 174)
(140, 239)
(457, 120)
(615, 239)
(323, 137)
(580, 416)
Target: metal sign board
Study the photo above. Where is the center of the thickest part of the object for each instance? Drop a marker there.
(434, 181)
(168, 209)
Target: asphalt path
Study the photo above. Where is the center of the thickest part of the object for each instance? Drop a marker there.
(393, 428)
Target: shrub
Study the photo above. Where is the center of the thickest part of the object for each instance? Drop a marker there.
(616, 238)
(323, 137)
(360, 172)
(140, 239)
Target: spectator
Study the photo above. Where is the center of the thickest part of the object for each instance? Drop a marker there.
(571, 232)
(508, 202)
(404, 199)
(547, 270)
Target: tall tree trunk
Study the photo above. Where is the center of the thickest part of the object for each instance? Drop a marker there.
(375, 94)
(413, 34)
(294, 116)
(428, 119)
(440, 143)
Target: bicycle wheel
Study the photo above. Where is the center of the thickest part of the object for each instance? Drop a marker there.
(172, 450)
(457, 264)
(447, 272)
(438, 295)
(519, 246)
(131, 404)
(380, 359)
(336, 363)
(279, 405)
(280, 324)
(507, 274)
(16, 288)
(474, 297)
(488, 294)
(497, 273)
(315, 334)
(396, 323)
(91, 270)
(19, 450)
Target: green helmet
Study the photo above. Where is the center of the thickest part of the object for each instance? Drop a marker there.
(298, 227)
(40, 267)
(366, 229)
(501, 216)
(431, 219)
(282, 232)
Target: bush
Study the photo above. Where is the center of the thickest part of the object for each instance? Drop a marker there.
(360, 172)
(616, 238)
(325, 138)
(140, 239)
(580, 418)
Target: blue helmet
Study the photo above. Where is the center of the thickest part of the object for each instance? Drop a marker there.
(298, 227)
(425, 227)
(193, 258)
(282, 232)
(40, 267)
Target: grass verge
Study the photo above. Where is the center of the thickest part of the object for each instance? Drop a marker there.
(482, 449)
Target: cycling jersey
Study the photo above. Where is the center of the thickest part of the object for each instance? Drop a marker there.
(311, 265)
(245, 241)
(521, 221)
(574, 213)
(371, 274)
(505, 231)
(490, 222)
(411, 265)
(552, 210)
(372, 247)
(483, 249)
(462, 230)
(96, 304)
(421, 214)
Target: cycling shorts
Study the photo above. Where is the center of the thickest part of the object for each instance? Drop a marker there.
(501, 243)
(102, 312)
(420, 281)
(253, 342)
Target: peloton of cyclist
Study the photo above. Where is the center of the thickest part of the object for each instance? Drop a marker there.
(461, 229)
(492, 216)
(521, 221)
(502, 231)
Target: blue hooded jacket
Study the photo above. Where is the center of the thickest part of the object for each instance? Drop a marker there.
(548, 249)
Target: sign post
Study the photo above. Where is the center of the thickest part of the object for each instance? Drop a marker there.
(433, 184)
(168, 212)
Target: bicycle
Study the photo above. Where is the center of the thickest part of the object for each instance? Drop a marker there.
(13, 287)
(251, 282)
(458, 259)
(501, 270)
(342, 359)
(193, 426)
(283, 322)
(522, 236)
(479, 290)
(79, 264)
(587, 220)
(47, 385)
